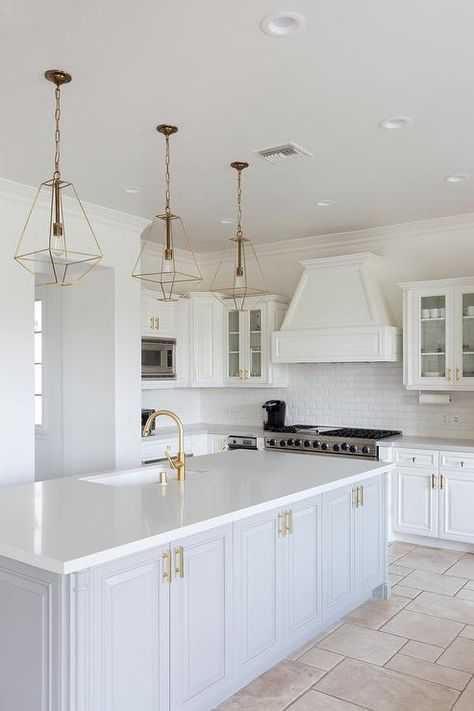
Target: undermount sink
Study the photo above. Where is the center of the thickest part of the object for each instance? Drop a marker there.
(136, 477)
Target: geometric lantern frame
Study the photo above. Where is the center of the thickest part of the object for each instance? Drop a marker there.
(57, 243)
(239, 274)
(175, 271)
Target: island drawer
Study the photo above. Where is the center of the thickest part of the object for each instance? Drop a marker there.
(416, 457)
(457, 460)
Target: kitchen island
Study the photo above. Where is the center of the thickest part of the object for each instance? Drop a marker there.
(117, 592)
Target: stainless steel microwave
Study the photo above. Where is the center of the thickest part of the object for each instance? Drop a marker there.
(158, 358)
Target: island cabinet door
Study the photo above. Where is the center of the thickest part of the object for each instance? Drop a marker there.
(302, 578)
(370, 534)
(415, 500)
(201, 620)
(120, 635)
(259, 570)
(338, 551)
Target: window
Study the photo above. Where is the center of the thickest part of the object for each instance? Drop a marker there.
(38, 363)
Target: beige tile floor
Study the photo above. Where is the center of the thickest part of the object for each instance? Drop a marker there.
(414, 652)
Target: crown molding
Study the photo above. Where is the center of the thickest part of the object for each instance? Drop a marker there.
(351, 238)
(24, 195)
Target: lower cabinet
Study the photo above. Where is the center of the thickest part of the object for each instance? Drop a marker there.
(353, 520)
(182, 626)
(160, 634)
(277, 575)
(201, 613)
(456, 510)
(415, 501)
(435, 502)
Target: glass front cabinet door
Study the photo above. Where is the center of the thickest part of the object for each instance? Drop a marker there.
(464, 336)
(438, 335)
(248, 339)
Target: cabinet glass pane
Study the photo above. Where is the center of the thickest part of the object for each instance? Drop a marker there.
(433, 337)
(233, 365)
(468, 335)
(233, 321)
(256, 343)
(256, 320)
(255, 364)
(233, 345)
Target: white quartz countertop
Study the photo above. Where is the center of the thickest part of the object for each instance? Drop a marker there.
(439, 443)
(67, 525)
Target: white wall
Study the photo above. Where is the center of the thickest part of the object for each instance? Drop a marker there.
(185, 401)
(88, 411)
(119, 237)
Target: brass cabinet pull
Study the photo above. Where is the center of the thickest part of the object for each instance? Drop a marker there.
(449, 372)
(289, 521)
(167, 574)
(360, 496)
(179, 553)
(441, 481)
(154, 323)
(433, 481)
(355, 496)
(282, 524)
(413, 459)
(458, 375)
(462, 464)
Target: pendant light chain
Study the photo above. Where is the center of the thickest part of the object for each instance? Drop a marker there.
(167, 175)
(239, 204)
(57, 133)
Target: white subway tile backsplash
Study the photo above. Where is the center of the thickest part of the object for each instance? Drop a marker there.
(361, 395)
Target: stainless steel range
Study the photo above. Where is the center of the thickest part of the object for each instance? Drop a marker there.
(325, 440)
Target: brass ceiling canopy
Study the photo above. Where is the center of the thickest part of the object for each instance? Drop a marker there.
(175, 271)
(240, 277)
(53, 254)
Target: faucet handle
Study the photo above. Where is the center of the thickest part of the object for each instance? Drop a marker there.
(172, 464)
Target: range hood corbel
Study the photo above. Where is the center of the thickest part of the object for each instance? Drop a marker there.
(338, 314)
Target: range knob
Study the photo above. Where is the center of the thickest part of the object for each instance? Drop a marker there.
(324, 446)
(316, 444)
(344, 446)
(290, 442)
(353, 448)
(298, 443)
(307, 443)
(365, 450)
(271, 442)
(282, 443)
(336, 447)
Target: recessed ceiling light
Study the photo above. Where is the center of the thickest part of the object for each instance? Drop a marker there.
(325, 203)
(228, 220)
(132, 189)
(395, 122)
(279, 24)
(456, 178)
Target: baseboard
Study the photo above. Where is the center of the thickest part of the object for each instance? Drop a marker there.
(429, 542)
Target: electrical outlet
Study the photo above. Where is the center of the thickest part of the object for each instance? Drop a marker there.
(452, 419)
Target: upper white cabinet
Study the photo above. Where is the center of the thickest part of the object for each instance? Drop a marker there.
(206, 348)
(248, 342)
(158, 318)
(439, 334)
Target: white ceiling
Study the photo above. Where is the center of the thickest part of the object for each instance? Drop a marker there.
(207, 67)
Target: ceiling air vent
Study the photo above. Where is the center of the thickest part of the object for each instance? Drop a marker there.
(277, 154)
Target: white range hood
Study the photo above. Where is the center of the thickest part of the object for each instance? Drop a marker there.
(338, 314)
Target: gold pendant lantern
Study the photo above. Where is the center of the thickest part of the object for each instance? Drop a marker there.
(177, 271)
(240, 277)
(53, 253)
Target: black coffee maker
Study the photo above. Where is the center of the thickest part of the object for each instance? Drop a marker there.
(276, 410)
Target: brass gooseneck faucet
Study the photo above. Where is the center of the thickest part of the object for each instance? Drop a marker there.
(179, 462)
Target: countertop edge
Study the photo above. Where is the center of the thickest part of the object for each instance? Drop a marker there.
(106, 556)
